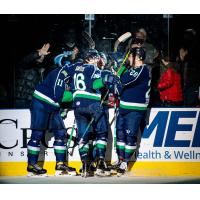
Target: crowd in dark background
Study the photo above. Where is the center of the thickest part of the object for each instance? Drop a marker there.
(23, 35)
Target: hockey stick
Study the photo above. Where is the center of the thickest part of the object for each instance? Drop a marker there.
(70, 138)
(122, 38)
(115, 124)
(89, 39)
(125, 58)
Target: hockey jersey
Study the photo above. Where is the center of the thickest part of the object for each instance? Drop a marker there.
(81, 84)
(136, 88)
(52, 88)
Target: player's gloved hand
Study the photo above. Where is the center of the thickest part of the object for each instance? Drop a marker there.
(109, 80)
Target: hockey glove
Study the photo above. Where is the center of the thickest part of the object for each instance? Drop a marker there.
(109, 80)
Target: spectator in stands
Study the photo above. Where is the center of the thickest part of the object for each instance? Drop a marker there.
(29, 73)
(169, 85)
(188, 63)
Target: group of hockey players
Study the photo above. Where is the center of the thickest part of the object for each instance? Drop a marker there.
(87, 86)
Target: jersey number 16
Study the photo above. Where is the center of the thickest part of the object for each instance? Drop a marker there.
(79, 83)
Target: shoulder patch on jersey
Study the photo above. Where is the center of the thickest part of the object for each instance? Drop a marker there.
(64, 73)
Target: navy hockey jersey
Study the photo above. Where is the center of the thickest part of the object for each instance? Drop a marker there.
(136, 88)
(81, 85)
(52, 88)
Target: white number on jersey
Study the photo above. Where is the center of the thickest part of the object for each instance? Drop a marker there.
(60, 82)
(79, 83)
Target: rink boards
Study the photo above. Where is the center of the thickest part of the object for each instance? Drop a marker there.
(169, 146)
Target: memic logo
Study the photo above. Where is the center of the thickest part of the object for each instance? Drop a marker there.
(166, 132)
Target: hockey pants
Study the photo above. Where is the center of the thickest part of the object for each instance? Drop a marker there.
(127, 129)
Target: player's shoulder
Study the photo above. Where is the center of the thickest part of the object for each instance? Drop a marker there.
(91, 68)
(142, 68)
(146, 68)
(146, 71)
(73, 67)
(92, 71)
(106, 71)
(53, 72)
(75, 64)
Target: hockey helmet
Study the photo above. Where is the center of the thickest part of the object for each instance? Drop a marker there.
(62, 59)
(91, 54)
(139, 51)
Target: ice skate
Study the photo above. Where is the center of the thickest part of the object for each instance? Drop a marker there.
(85, 172)
(122, 169)
(63, 170)
(114, 167)
(102, 169)
(36, 171)
(91, 170)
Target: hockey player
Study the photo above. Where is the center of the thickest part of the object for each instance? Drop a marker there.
(133, 105)
(100, 150)
(87, 105)
(45, 115)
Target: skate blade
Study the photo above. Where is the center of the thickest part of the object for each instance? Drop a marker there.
(113, 171)
(72, 173)
(101, 173)
(122, 174)
(63, 173)
(33, 175)
(85, 175)
(119, 174)
(107, 173)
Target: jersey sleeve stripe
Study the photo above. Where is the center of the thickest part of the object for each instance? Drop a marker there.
(87, 95)
(44, 98)
(137, 106)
